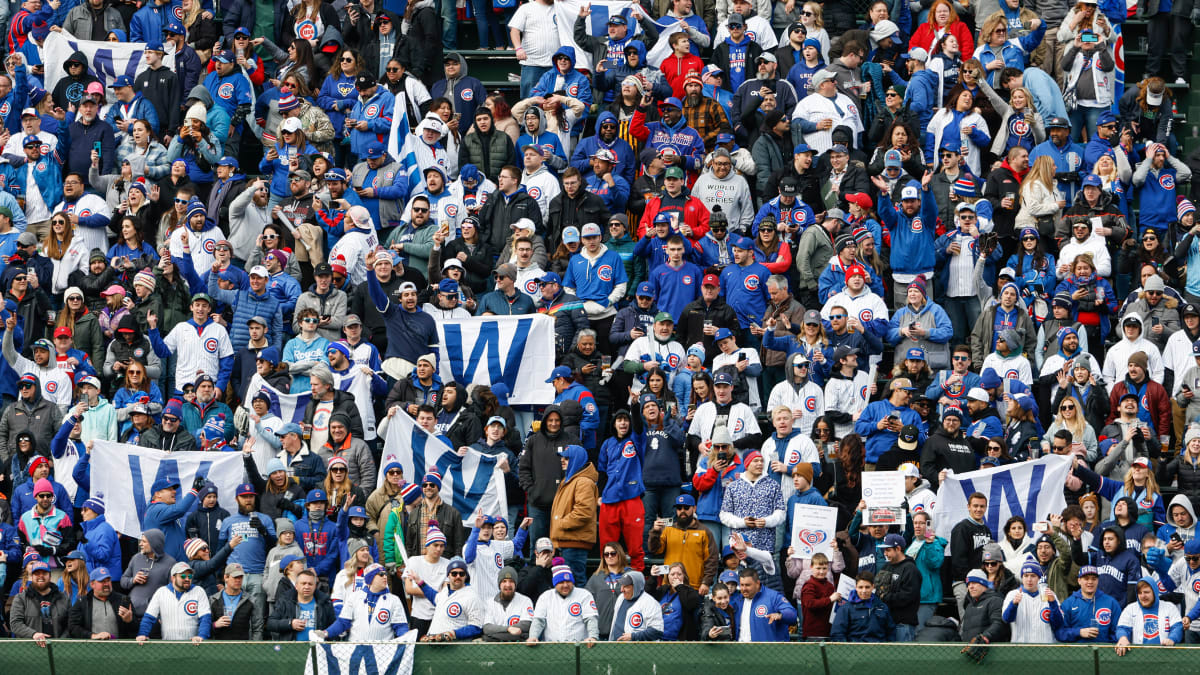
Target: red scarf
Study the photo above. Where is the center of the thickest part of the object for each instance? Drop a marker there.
(1020, 175)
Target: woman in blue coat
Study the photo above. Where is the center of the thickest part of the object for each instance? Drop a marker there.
(337, 98)
(1033, 265)
(278, 161)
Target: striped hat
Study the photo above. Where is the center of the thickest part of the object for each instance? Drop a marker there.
(410, 493)
(145, 278)
(1183, 207)
(193, 546)
(196, 206)
(288, 102)
(561, 571)
(434, 534)
(965, 186)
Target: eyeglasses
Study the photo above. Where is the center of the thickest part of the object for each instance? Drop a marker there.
(1154, 293)
(338, 469)
(432, 485)
(736, 26)
(395, 472)
(177, 201)
(990, 564)
(1029, 238)
(995, 447)
(766, 229)
(46, 495)
(807, 13)
(458, 573)
(1191, 558)
(310, 320)
(1000, 31)
(948, 154)
(1068, 407)
(610, 554)
(168, 418)
(186, 576)
(348, 59)
(890, 94)
(419, 210)
(58, 222)
(393, 70)
(270, 236)
(834, 317)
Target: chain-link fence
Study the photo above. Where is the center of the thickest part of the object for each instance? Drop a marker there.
(67, 657)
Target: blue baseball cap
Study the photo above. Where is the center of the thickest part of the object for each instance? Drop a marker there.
(560, 371)
(245, 489)
(164, 483)
(174, 28)
(724, 138)
(744, 243)
(289, 428)
(1092, 180)
(802, 148)
(100, 574)
(122, 81)
(721, 334)
(289, 559)
(685, 500)
(242, 30)
(893, 540)
(723, 378)
(1106, 117)
(645, 290)
(316, 495)
(356, 512)
(616, 20)
(335, 174)
(225, 56)
(915, 353)
(447, 286)
(550, 278)
(227, 160)
(154, 45)
(672, 100)
(375, 150)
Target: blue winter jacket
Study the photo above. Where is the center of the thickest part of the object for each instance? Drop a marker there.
(169, 518)
(1100, 612)
(246, 305)
(627, 164)
(103, 547)
(764, 604)
(859, 620)
(575, 84)
(912, 236)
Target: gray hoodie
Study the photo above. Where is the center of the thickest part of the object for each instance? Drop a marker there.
(158, 571)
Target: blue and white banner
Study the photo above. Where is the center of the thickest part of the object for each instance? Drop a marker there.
(515, 350)
(122, 475)
(1027, 489)
(374, 658)
(470, 482)
(106, 60)
(567, 11)
(287, 407)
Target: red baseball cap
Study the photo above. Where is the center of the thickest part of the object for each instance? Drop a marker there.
(854, 269)
(711, 280)
(861, 198)
(62, 331)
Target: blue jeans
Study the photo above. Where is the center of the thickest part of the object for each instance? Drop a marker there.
(925, 612)
(659, 502)
(485, 22)
(529, 78)
(718, 530)
(449, 24)
(540, 527)
(905, 632)
(1082, 116)
(963, 312)
(576, 559)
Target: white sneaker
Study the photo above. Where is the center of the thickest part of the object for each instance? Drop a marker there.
(1180, 80)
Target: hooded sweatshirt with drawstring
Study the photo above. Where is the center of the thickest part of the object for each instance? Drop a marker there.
(640, 617)
(573, 512)
(465, 92)
(158, 571)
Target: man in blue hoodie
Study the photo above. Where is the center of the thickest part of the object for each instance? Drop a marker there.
(606, 138)
(1067, 156)
(622, 511)
(148, 24)
(766, 611)
(1089, 615)
(912, 225)
(563, 77)
(466, 93)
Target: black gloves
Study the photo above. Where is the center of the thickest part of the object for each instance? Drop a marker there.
(198, 483)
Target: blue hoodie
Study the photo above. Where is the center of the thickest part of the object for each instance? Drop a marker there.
(574, 83)
(103, 547)
(1078, 613)
(859, 620)
(610, 80)
(1119, 571)
(577, 458)
(621, 461)
(626, 162)
(1152, 633)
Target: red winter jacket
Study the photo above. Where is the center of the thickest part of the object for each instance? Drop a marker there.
(695, 216)
(676, 69)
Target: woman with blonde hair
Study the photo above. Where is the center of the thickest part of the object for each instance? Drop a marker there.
(1116, 176)
(66, 252)
(1083, 16)
(813, 18)
(1020, 122)
(1040, 199)
(349, 578)
(1139, 484)
(942, 19)
(1070, 417)
(75, 580)
(340, 488)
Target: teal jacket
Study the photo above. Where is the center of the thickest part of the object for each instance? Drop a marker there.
(929, 563)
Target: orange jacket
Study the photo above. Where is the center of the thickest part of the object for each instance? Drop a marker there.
(573, 513)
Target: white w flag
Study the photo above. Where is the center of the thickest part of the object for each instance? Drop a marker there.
(288, 407)
(374, 658)
(1027, 489)
(400, 141)
(510, 349)
(106, 60)
(122, 475)
(567, 11)
(470, 482)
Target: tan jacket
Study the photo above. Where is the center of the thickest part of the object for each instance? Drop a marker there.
(573, 514)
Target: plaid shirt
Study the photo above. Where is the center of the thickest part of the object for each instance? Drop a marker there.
(708, 119)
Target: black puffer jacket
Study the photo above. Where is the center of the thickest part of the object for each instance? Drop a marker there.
(982, 617)
(279, 625)
(540, 469)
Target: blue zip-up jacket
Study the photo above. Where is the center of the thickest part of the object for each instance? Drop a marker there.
(252, 552)
(833, 281)
(195, 415)
(546, 140)
(880, 441)
(762, 605)
(320, 545)
(247, 304)
(337, 92)
(169, 518)
(627, 164)
(722, 96)
(575, 84)
(929, 563)
(595, 280)
(799, 215)
(103, 547)
(286, 289)
(621, 461)
(279, 167)
(745, 289)
(1100, 612)
(378, 114)
(912, 236)
(148, 23)
(859, 620)
(47, 174)
(1067, 158)
(942, 331)
(137, 109)
(58, 448)
(230, 91)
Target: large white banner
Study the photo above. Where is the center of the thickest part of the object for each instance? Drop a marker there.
(567, 11)
(340, 658)
(106, 60)
(515, 350)
(1027, 489)
(122, 475)
(470, 482)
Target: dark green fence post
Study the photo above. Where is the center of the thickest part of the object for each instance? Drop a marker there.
(1096, 658)
(825, 659)
(578, 659)
(50, 655)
